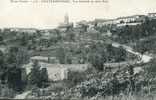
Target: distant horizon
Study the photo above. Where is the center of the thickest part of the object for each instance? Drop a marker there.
(48, 16)
(70, 21)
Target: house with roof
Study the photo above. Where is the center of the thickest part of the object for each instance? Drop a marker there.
(53, 60)
(152, 15)
(105, 22)
(57, 72)
(131, 19)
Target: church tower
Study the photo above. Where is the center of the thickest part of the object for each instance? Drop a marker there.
(66, 19)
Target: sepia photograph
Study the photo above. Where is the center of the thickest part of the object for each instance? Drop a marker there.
(77, 50)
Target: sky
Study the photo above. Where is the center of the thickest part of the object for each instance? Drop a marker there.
(49, 15)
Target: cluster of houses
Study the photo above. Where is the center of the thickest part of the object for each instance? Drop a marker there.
(152, 15)
(84, 26)
(66, 25)
(128, 20)
(119, 22)
(56, 71)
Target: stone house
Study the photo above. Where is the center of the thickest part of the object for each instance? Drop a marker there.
(57, 72)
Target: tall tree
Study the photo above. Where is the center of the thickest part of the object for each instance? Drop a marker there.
(43, 78)
(38, 77)
(61, 55)
(34, 75)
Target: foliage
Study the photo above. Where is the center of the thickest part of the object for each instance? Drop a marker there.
(6, 92)
(102, 53)
(151, 69)
(17, 56)
(38, 77)
(132, 33)
(97, 61)
(75, 77)
(61, 55)
(14, 78)
(11, 70)
(24, 39)
(43, 78)
(70, 36)
(146, 45)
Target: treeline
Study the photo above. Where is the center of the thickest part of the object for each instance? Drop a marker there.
(11, 69)
(127, 33)
(147, 45)
(96, 53)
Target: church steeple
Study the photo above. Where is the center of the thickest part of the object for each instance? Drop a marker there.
(66, 19)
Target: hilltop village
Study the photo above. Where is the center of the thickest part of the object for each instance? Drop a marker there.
(85, 60)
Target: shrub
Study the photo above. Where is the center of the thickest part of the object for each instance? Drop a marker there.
(75, 77)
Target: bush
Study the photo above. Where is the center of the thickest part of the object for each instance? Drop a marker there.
(75, 77)
(37, 76)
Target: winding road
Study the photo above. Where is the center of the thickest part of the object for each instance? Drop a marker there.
(143, 58)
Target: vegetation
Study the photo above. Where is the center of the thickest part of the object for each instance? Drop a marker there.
(146, 45)
(127, 33)
(101, 54)
(38, 77)
(73, 47)
(11, 69)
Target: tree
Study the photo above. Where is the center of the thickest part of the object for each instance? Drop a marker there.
(34, 75)
(98, 55)
(22, 56)
(1, 60)
(43, 78)
(24, 39)
(1, 39)
(115, 85)
(71, 36)
(68, 58)
(151, 69)
(10, 67)
(120, 54)
(38, 77)
(17, 56)
(15, 78)
(131, 75)
(150, 76)
(2, 66)
(97, 61)
(11, 56)
(61, 55)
